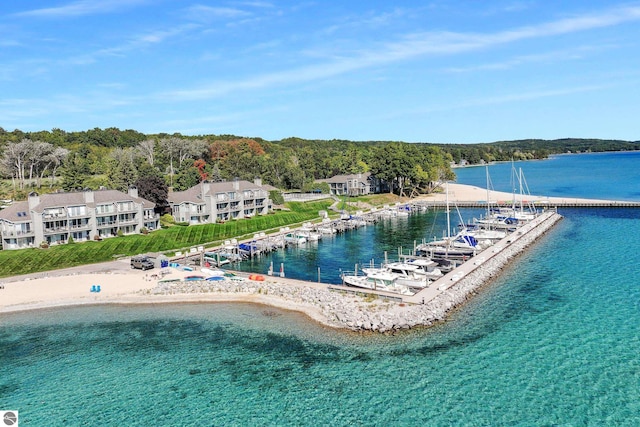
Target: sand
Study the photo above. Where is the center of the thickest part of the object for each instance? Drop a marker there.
(470, 193)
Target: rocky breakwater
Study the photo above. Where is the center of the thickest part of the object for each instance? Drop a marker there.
(369, 313)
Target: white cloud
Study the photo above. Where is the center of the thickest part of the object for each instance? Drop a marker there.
(81, 8)
(138, 42)
(412, 46)
(203, 13)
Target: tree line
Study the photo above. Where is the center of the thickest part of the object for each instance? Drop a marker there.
(117, 159)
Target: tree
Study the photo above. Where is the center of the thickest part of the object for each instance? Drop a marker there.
(200, 165)
(170, 149)
(14, 160)
(393, 164)
(186, 178)
(178, 150)
(74, 172)
(54, 160)
(154, 189)
(146, 149)
(121, 171)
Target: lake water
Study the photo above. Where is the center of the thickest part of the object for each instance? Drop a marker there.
(608, 176)
(553, 341)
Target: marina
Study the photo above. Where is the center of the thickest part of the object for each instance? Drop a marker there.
(421, 286)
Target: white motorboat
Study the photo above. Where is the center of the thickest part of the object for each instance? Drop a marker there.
(428, 267)
(378, 280)
(406, 274)
(294, 239)
(308, 233)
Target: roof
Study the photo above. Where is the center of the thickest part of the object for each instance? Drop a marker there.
(362, 177)
(19, 211)
(14, 212)
(194, 194)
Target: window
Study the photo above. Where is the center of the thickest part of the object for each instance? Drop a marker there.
(77, 210)
(102, 209)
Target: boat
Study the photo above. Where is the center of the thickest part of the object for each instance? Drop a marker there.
(517, 209)
(485, 236)
(406, 274)
(460, 246)
(380, 281)
(294, 239)
(212, 273)
(308, 233)
(427, 266)
(194, 277)
(326, 227)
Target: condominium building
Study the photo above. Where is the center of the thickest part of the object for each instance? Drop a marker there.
(358, 184)
(84, 215)
(211, 202)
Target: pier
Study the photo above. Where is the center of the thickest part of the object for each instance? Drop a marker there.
(556, 202)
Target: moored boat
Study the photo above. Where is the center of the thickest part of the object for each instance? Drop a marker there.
(378, 280)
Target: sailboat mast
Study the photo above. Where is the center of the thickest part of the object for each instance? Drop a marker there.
(447, 199)
(488, 192)
(521, 196)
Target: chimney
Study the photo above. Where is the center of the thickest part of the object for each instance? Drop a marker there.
(34, 200)
(88, 196)
(133, 191)
(258, 182)
(206, 188)
(236, 184)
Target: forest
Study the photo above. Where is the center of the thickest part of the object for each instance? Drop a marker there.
(48, 161)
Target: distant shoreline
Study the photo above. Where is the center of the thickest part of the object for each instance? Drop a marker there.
(456, 166)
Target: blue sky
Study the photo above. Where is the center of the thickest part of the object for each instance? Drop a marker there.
(414, 71)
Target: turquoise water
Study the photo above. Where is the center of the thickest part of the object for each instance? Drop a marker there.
(553, 341)
(362, 246)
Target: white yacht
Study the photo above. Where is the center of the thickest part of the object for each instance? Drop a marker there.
(378, 280)
(406, 274)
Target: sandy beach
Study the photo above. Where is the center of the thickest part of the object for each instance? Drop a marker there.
(470, 193)
(121, 285)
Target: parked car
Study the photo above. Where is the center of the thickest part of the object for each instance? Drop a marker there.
(141, 262)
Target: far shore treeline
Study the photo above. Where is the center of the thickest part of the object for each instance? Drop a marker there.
(47, 161)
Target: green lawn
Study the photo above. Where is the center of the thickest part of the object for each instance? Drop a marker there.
(171, 239)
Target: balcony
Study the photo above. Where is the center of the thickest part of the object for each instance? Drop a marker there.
(127, 208)
(83, 226)
(106, 224)
(79, 215)
(56, 229)
(50, 217)
(128, 220)
(18, 233)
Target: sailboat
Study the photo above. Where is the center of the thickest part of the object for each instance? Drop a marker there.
(460, 246)
(518, 209)
(493, 227)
